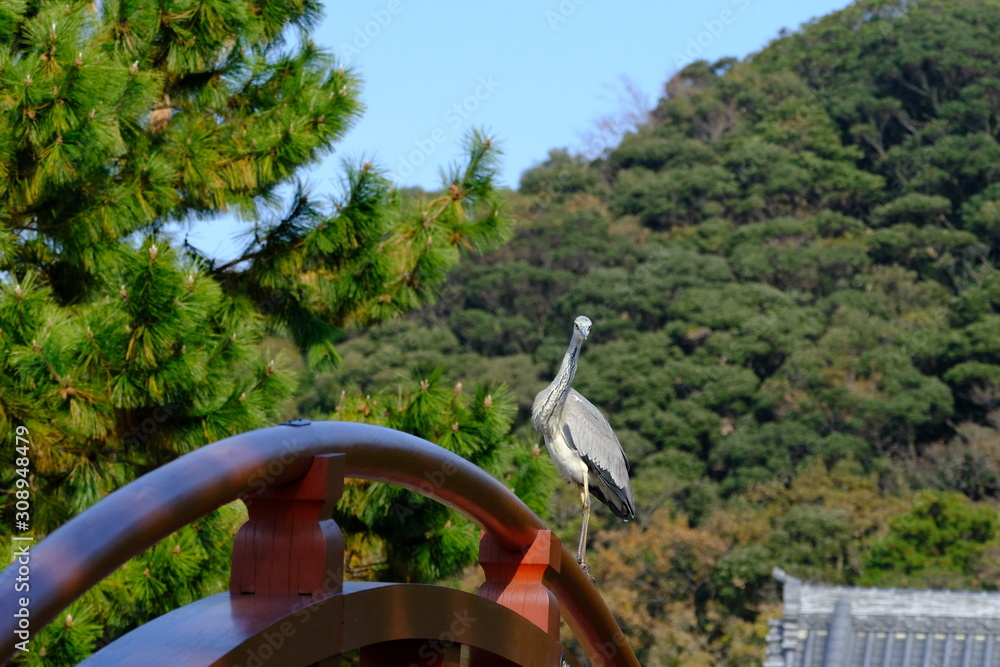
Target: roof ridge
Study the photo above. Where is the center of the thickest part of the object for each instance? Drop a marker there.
(909, 591)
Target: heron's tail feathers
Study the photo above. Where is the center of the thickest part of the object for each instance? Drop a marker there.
(618, 500)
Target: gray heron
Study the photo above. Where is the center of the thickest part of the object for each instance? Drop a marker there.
(580, 441)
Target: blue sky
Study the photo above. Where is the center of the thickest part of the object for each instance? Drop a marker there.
(536, 74)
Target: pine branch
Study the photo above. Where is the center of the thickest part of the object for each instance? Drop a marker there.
(281, 238)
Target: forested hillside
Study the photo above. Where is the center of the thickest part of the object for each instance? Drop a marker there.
(791, 271)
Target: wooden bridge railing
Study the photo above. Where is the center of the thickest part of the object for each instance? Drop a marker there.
(288, 603)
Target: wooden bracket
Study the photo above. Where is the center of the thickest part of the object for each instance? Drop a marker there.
(290, 545)
(515, 579)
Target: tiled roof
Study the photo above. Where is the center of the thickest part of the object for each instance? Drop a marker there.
(838, 626)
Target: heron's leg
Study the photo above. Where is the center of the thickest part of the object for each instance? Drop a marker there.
(585, 500)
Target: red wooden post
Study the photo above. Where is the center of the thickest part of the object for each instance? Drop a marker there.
(515, 579)
(290, 545)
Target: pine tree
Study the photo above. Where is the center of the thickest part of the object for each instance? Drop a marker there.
(398, 535)
(122, 347)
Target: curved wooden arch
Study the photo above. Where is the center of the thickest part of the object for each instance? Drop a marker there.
(421, 624)
(81, 553)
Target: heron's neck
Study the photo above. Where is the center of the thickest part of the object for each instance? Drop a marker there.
(564, 378)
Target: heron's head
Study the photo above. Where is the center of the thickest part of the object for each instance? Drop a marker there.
(583, 324)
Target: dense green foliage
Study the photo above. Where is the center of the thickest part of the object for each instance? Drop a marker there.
(944, 541)
(121, 347)
(398, 535)
(791, 268)
(792, 273)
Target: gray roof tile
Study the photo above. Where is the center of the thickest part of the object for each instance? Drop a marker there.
(840, 626)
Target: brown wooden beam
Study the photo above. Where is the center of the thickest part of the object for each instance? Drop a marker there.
(86, 549)
(414, 623)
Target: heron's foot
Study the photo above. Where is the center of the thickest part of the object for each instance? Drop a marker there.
(586, 570)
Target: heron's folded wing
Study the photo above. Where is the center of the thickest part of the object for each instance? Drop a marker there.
(594, 439)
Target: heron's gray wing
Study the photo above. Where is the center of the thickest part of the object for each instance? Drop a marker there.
(593, 434)
(589, 432)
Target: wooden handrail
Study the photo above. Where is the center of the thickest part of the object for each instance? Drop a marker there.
(86, 549)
